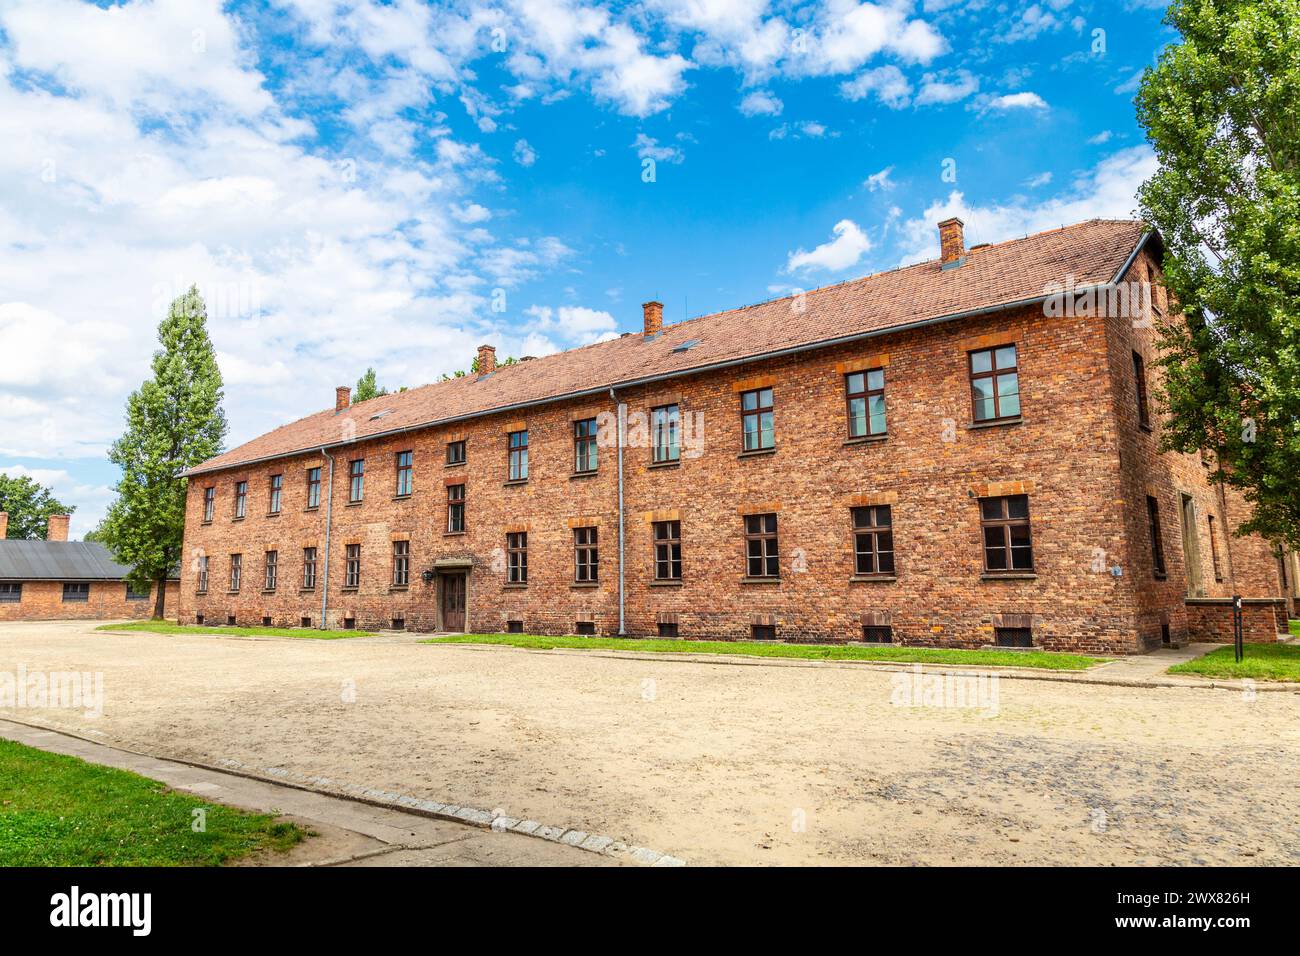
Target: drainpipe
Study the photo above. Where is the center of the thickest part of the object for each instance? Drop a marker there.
(325, 571)
(622, 594)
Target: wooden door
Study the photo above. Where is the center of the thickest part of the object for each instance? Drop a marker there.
(453, 602)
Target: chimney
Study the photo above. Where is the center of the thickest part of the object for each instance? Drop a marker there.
(654, 318)
(487, 359)
(952, 243)
(4, 525)
(57, 529)
(342, 398)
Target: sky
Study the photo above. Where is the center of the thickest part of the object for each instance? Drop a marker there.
(357, 183)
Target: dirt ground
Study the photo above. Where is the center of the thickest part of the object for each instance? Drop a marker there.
(715, 762)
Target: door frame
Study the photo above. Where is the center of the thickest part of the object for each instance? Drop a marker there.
(442, 576)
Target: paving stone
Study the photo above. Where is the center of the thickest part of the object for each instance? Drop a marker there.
(642, 855)
(550, 833)
(574, 837)
(596, 843)
(667, 860)
(526, 826)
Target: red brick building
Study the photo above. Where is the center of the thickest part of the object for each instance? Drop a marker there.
(961, 452)
(59, 579)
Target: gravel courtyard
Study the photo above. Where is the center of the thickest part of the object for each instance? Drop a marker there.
(714, 762)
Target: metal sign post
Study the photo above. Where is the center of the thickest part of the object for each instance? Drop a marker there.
(1238, 645)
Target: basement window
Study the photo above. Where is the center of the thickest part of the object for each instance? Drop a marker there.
(399, 624)
(349, 623)
(198, 618)
(585, 627)
(877, 635)
(305, 622)
(514, 627)
(667, 630)
(230, 621)
(762, 632)
(266, 622)
(1013, 637)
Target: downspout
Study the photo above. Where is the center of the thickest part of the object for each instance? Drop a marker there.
(622, 594)
(325, 571)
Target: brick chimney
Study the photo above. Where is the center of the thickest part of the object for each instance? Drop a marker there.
(342, 398)
(4, 525)
(952, 242)
(654, 317)
(487, 359)
(57, 529)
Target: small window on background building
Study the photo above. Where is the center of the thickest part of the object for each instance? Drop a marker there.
(230, 620)
(352, 566)
(761, 555)
(668, 550)
(584, 445)
(455, 509)
(517, 557)
(76, 593)
(273, 496)
(241, 498)
(236, 570)
(665, 433)
(756, 417)
(356, 479)
(585, 628)
(1013, 637)
(762, 632)
(266, 621)
(865, 395)
(517, 443)
(202, 585)
(873, 540)
(455, 453)
(514, 627)
(995, 384)
(1157, 544)
(304, 621)
(405, 474)
(877, 635)
(308, 568)
(586, 560)
(272, 566)
(11, 592)
(401, 563)
(209, 504)
(399, 624)
(1140, 380)
(313, 487)
(667, 629)
(134, 594)
(1007, 542)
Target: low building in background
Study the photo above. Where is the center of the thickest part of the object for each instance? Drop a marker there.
(77, 580)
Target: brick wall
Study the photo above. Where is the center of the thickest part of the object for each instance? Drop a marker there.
(43, 601)
(1210, 619)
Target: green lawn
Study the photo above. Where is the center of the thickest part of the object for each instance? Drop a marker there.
(168, 627)
(1274, 662)
(817, 652)
(62, 811)
(1295, 627)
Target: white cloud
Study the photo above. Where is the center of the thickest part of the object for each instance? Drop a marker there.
(846, 249)
(1018, 101)
(1107, 192)
(575, 324)
(89, 501)
(1101, 138)
(524, 154)
(761, 103)
(1033, 21)
(888, 83)
(1042, 179)
(804, 129)
(647, 147)
(947, 86)
(880, 181)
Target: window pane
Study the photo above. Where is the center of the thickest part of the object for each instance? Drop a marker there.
(855, 382)
(1022, 559)
(884, 515)
(749, 401)
(991, 508)
(886, 562)
(1006, 357)
(876, 379)
(981, 361)
(1018, 506)
(857, 417)
(768, 436)
(877, 414)
(769, 523)
(982, 391)
(765, 398)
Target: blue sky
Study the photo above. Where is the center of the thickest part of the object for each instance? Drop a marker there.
(391, 183)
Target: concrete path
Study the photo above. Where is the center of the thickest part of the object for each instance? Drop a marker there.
(347, 833)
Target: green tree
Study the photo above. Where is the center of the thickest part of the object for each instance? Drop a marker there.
(174, 421)
(367, 387)
(1222, 110)
(29, 505)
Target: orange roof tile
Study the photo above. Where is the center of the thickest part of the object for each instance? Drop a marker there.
(1001, 274)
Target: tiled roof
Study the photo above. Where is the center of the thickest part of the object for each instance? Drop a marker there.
(24, 560)
(1001, 274)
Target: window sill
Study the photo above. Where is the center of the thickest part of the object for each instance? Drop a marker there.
(237, 518)
(515, 481)
(312, 508)
(996, 422)
(273, 514)
(760, 580)
(584, 585)
(866, 440)
(583, 474)
(351, 590)
(454, 464)
(401, 497)
(201, 593)
(515, 587)
(757, 453)
(205, 523)
(665, 464)
(398, 587)
(453, 534)
(871, 578)
(1160, 575)
(354, 504)
(666, 583)
(268, 590)
(306, 590)
(236, 591)
(1009, 576)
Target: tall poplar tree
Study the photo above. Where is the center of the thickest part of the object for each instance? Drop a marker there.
(174, 422)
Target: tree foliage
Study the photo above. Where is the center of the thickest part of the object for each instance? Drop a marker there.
(29, 505)
(1221, 111)
(367, 387)
(174, 421)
